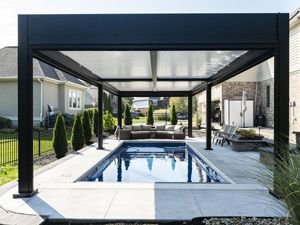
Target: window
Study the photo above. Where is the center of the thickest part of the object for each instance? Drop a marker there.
(74, 100)
(268, 96)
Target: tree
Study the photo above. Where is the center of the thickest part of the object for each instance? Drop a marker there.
(86, 124)
(150, 118)
(77, 137)
(173, 115)
(106, 102)
(126, 101)
(195, 103)
(127, 116)
(181, 103)
(60, 142)
(95, 122)
(108, 122)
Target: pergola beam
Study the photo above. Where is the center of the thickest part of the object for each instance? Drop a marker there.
(70, 66)
(153, 63)
(120, 111)
(100, 116)
(154, 94)
(178, 78)
(190, 116)
(208, 117)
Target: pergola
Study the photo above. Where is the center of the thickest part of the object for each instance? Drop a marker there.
(150, 55)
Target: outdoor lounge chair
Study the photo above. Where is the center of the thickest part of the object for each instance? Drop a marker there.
(226, 136)
(219, 134)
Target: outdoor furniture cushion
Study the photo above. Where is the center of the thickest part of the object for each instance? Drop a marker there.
(146, 127)
(179, 135)
(178, 128)
(136, 128)
(127, 127)
(169, 127)
(124, 134)
(140, 134)
(160, 127)
(164, 134)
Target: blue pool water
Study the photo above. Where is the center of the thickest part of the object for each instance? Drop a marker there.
(154, 162)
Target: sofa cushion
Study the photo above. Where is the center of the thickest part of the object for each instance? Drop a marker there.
(164, 134)
(146, 127)
(127, 127)
(169, 127)
(140, 134)
(178, 128)
(160, 127)
(137, 128)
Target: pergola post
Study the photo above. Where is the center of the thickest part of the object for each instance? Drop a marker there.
(281, 94)
(100, 118)
(190, 116)
(208, 117)
(119, 111)
(25, 112)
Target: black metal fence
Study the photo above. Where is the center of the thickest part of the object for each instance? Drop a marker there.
(42, 144)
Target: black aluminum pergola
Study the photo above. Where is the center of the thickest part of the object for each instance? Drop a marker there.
(46, 37)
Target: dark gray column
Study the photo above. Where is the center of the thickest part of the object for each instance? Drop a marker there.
(120, 111)
(281, 93)
(25, 112)
(190, 116)
(208, 117)
(100, 121)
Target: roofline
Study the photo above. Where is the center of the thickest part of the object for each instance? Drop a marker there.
(294, 13)
(13, 78)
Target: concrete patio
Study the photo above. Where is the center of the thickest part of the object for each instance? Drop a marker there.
(59, 194)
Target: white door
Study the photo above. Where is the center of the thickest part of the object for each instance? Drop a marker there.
(232, 113)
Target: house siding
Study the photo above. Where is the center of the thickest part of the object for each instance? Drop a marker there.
(295, 48)
(9, 101)
(50, 96)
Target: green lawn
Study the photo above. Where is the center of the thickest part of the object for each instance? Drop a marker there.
(9, 173)
(9, 145)
(140, 120)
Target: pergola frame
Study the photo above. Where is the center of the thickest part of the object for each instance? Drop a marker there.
(43, 36)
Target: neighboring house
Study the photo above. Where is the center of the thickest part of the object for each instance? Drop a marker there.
(61, 91)
(258, 82)
(142, 103)
(91, 99)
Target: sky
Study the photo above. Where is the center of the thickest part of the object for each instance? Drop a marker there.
(9, 9)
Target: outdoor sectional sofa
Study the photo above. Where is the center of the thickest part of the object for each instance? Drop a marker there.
(148, 131)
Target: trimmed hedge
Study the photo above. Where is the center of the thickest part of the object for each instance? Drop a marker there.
(86, 124)
(127, 116)
(150, 119)
(77, 138)
(173, 115)
(5, 123)
(91, 113)
(60, 142)
(95, 122)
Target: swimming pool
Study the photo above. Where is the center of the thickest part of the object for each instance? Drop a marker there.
(154, 162)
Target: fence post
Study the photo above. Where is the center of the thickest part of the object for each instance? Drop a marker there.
(39, 139)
